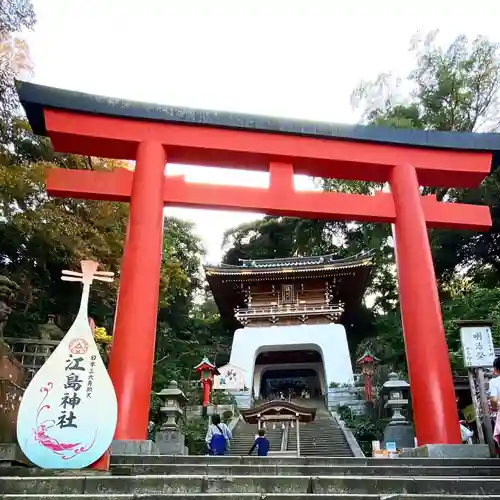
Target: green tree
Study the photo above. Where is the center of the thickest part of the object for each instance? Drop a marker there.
(40, 236)
(453, 88)
(15, 16)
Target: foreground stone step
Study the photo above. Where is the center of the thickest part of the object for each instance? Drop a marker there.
(362, 485)
(316, 460)
(304, 470)
(249, 496)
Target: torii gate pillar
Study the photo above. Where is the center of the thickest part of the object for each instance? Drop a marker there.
(132, 354)
(426, 350)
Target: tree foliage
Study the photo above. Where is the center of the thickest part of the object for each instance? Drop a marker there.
(40, 236)
(15, 16)
(454, 88)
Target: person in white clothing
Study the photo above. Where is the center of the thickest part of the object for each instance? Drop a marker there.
(218, 437)
(494, 393)
(495, 385)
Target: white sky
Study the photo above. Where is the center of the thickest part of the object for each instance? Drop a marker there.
(292, 58)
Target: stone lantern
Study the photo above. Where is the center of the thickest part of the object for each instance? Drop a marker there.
(173, 400)
(169, 439)
(399, 430)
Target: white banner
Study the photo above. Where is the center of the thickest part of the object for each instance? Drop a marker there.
(231, 378)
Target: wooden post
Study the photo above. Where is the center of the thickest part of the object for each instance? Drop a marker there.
(477, 406)
(485, 411)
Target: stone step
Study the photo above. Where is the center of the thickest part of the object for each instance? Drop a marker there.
(361, 485)
(326, 444)
(325, 450)
(249, 496)
(298, 470)
(317, 460)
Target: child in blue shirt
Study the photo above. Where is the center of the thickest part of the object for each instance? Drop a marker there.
(261, 443)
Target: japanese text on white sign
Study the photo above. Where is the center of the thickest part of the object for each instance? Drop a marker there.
(477, 346)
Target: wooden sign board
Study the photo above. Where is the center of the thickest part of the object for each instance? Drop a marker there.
(67, 417)
(477, 346)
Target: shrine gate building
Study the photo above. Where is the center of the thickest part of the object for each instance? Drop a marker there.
(290, 316)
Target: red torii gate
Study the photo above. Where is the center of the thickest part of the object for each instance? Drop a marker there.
(150, 134)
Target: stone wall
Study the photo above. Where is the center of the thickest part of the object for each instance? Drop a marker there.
(243, 399)
(346, 396)
(11, 391)
(194, 411)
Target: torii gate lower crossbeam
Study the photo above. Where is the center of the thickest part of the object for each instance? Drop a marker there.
(405, 159)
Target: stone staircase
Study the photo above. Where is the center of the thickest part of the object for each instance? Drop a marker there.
(244, 436)
(278, 478)
(322, 437)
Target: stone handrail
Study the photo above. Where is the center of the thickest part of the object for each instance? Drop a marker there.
(349, 436)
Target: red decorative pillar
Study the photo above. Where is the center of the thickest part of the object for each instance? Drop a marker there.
(207, 372)
(131, 360)
(367, 363)
(431, 383)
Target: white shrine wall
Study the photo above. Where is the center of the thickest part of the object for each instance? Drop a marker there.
(329, 340)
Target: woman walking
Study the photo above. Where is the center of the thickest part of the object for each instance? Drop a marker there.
(218, 437)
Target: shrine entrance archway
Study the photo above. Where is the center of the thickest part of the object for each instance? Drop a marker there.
(290, 366)
(290, 381)
(152, 135)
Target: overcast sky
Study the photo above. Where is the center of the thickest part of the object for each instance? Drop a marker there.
(291, 58)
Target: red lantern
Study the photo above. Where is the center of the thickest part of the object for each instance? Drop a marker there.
(207, 373)
(367, 363)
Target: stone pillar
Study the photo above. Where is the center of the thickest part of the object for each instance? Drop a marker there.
(169, 439)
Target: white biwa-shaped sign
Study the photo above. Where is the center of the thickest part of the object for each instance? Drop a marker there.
(67, 417)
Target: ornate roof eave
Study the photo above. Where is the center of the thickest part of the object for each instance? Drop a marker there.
(243, 272)
(206, 364)
(302, 413)
(318, 261)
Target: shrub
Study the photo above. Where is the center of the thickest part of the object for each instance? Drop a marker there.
(227, 416)
(345, 413)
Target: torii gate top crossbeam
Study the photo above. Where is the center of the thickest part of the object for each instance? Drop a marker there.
(100, 126)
